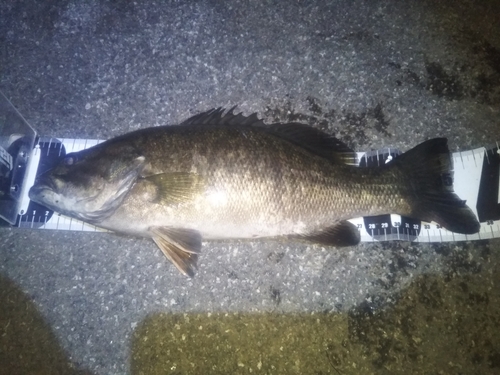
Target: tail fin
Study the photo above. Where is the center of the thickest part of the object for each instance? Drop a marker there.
(429, 170)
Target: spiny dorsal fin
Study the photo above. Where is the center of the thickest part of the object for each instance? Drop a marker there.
(181, 246)
(314, 140)
(217, 116)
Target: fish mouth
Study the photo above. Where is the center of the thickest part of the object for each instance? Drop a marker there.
(37, 193)
(43, 195)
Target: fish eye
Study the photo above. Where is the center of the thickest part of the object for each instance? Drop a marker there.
(70, 159)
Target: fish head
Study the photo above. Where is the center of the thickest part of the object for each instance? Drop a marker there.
(88, 185)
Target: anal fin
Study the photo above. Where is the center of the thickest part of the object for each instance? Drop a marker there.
(180, 246)
(344, 233)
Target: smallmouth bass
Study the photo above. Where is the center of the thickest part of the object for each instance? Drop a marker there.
(221, 175)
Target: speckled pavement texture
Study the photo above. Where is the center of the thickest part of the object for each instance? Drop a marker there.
(374, 73)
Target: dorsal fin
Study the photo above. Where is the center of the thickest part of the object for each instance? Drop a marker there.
(216, 116)
(315, 141)
(305, 136)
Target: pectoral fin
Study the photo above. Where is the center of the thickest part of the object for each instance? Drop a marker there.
(341, 234)
(180, 246)
(176, 187)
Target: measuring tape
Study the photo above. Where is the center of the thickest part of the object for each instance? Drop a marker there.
(476, 180)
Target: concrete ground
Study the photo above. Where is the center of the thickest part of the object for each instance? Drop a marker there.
(374, 73)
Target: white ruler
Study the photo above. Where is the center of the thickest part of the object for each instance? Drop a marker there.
(476, 180)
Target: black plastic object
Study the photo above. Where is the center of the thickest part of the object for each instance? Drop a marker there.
(488, 205)
(17, 139)
(51, 151)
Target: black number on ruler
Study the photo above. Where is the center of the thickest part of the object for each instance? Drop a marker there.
(378, 227)
(488, 206)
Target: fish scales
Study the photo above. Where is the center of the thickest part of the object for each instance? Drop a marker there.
(257, 181)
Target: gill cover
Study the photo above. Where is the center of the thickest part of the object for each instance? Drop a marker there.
(88, 185)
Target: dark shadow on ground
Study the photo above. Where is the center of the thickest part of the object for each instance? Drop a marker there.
(27, 344)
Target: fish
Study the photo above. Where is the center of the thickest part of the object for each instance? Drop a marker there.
(221, 175)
